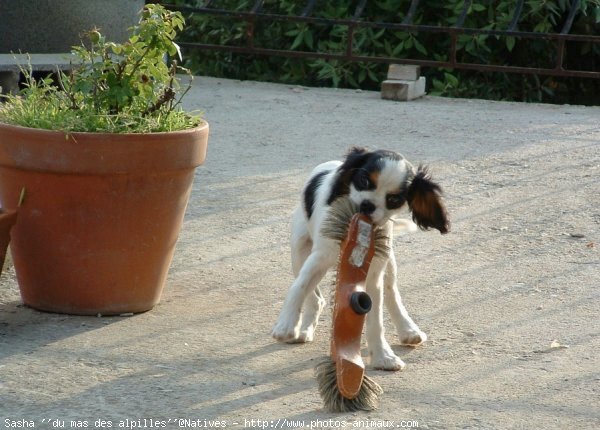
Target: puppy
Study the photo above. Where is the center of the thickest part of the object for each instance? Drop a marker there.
(382, 183)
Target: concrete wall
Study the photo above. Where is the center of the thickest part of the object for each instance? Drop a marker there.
(47, 26)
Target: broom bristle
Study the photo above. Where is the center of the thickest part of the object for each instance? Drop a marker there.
(338, 218)
(367, 399)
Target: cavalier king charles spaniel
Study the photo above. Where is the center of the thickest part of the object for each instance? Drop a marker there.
(381, 184)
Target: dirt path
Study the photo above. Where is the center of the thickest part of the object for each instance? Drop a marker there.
(509, 299)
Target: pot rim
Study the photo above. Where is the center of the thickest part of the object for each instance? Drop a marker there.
(203, 124)
(92, 153)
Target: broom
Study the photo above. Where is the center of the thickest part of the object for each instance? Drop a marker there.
(341, 378)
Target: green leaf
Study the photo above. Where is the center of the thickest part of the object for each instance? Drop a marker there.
(420, 47)
(510, 43)
(439, 85)
(379, 34)
(398, 49)
(362, 75)
(451, 79)
(297, 41)
(372, 76)
(387, 47)
(352, 81)
(308, 39)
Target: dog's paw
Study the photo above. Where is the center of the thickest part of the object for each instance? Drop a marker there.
(303, 336)
(287, 330)
(386, 360)
(412, 337)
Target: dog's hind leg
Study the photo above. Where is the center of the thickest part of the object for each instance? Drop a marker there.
(314, 303)
(289, 324)
(408, 332)
(300, 241)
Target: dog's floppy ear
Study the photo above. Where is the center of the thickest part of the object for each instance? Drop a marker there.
(355, 158)
(425, 202)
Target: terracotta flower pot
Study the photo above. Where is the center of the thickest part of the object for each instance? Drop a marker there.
(99, 214)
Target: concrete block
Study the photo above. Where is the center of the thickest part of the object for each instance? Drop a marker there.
(404, 72)
(402, 90)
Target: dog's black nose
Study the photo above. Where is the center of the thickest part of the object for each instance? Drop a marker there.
(367, 208)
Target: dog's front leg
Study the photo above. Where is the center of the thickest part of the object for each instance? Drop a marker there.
(287, 328)
(381, 354)
(313, 306)
(408, 332)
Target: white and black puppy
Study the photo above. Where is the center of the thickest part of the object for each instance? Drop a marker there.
(382, 183)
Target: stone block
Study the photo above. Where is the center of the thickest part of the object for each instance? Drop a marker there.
(403, 90)
(404, 72)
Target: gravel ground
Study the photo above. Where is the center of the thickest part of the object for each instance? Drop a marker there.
(509, 299)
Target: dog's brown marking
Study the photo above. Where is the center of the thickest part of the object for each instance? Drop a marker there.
(374, 178)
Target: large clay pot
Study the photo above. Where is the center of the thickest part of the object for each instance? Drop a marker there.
(98, 214)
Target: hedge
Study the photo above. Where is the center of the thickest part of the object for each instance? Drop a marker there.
(537, 16)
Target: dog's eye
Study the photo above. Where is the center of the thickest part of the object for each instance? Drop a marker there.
(363, 182)
(394, 201)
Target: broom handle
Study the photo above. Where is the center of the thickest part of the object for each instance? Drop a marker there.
(351, 305)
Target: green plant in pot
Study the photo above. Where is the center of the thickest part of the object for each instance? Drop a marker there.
(98, 165)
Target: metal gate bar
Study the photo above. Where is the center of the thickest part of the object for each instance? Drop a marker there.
(406, 25)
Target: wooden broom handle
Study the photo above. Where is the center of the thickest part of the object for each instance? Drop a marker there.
(351, 305)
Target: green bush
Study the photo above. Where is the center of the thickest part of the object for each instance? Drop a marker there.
(537, 16)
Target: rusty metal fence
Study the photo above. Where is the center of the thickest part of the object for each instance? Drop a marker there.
(256, 13)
